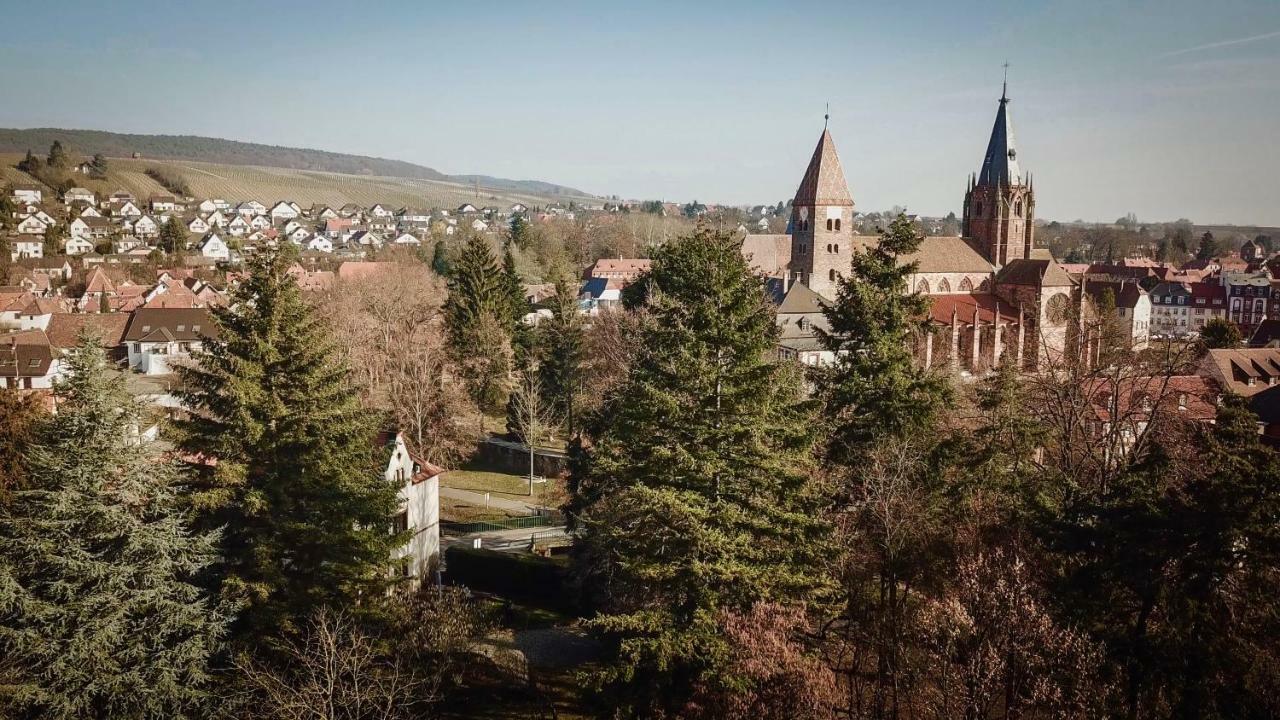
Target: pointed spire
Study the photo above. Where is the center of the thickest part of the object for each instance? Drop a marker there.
(823, 182)
(1000, 164)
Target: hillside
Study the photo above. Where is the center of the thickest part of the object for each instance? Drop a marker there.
(269, 184)
(197, 149)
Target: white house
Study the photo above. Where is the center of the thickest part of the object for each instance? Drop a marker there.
(90, 211)
(26, 248)
(419, 513)
(125, 244)
(217, 219)
(238, 226)
(126, 209)
(379, 211)
(198, 224)
(213, 247)
(407, 239)
(466, 208)
(77, 246)
(28, 361)
(27, 193)
(320, 243)
(155, 337)
(32, 226)
(89, 228)
(145, 227)
(283, 211)
(365, 237)
(251, 208)
(517, 208)
(79, 194)
(298, 234)
(260, 222)
(162, 203)
(479, 225)
(206, 206)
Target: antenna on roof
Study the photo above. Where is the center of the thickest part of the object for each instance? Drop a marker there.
(826, 116)
(1004, 87)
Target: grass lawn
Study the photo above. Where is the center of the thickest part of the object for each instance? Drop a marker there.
(478, 478)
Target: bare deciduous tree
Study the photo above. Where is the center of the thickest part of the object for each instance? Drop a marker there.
(530, 413)
(335, 671)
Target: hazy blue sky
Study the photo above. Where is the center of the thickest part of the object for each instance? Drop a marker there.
(1168, 108)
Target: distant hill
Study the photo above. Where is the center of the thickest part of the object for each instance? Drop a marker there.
(193, 148)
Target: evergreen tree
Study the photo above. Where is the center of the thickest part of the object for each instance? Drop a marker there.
(58, 158)
(173, 236)
(520, 232)
(517, 307)
(99, 613)
(478, 315)
(561, 341)
(695, 496)
(30, 164)
(6, 212)
(440, 259)
(20, 417)
(1209, 248)
(1174, 566)
(98, 169)
(297, 482)
(874, 388)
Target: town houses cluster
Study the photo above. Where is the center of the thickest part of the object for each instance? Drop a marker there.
(121, 228)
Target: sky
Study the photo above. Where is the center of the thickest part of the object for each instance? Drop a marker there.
(1166, 109)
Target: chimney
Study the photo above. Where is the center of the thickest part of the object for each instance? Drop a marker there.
(786, 281)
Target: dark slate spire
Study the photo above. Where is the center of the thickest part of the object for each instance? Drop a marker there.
(823, 182)
(1000, 165)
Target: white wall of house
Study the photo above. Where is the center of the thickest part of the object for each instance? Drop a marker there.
(421, 502)
(156, 358)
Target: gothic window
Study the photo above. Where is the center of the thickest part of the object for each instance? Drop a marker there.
(837, 247)
(985, 286)
(837, 224)
(944, 286)
(966, 285)
(828, 247)
(831, 274)
(828, 224)
(922, 287)
(977, 209)
(1017, 208)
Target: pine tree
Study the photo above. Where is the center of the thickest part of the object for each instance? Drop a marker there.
(695, 496)
(520, 232)
(98, 169)
(297, 481)
(517, 307)
(30, 164)
(58, 158)
(173, 236)
(20, 417)
(561, 340)
(873, 388)
(478, 317)
(99, 613)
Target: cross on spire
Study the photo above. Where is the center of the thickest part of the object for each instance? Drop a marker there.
(1004, 88)
(826, 116)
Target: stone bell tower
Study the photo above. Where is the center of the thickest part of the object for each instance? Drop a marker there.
(822, 221)
(999, 203)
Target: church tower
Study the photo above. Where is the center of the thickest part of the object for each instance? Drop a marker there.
(822, 221)
(999, 204)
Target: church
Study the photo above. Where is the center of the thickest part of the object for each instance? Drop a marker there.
(994, 294)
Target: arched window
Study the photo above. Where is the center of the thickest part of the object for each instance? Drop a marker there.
(985, 286)
(966, 285)
(828, 224)
(831, 274)
(1017, 208)
(977, 209)
(922, 287)
(837, 223)
(837, 247)
(944, 286)
(828, 247)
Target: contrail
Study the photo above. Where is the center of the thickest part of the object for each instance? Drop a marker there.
(1222, 43)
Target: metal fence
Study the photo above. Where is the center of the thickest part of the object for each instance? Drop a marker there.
(501, 522)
